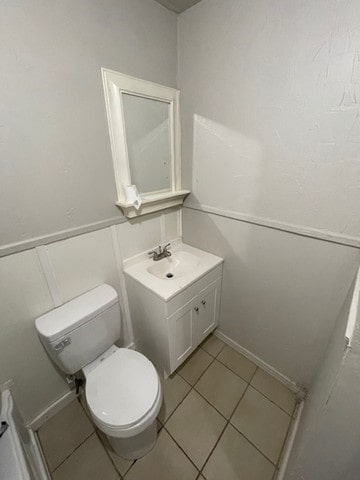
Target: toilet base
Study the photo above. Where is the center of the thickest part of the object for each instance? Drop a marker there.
(132, 448)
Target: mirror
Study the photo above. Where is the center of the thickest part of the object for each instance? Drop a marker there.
(147, 129)
(144, 128)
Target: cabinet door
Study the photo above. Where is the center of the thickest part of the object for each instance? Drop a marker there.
(208, 302)
(181, 334)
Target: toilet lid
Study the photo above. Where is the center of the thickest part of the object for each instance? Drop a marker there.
(122, 389)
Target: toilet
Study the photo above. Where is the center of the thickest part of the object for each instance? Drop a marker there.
(122, 387)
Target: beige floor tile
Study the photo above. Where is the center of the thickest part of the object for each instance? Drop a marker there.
(121, 464)
(213, 345)
(237, 363)
(274, 390)
(221, 387)
(262, 422)
(165, 461)
(88, 462)
(174, 390)
(195, 366)
(196, 427)
(63, 433)
(234, 458)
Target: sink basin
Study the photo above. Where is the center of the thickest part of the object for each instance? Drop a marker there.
(179, 264)
(171, 275)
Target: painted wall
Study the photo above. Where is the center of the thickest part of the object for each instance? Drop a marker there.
(327, 443)
(281, 293)
(77, 264)
(271, 123)
(56, 168)
(55, 161)
(271, 130)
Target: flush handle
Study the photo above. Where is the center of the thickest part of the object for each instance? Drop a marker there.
(59, 347)
(196, 309)
(203, 302)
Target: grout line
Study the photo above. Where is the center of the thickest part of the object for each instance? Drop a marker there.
(215, 356)
(100, 439)
(109, 456)
(172, 413)
(272, 401)
(239, 376)
(92, 433)
(186, 454)
(192, 355)
(249, 381)
(225, 427)
(254, 445)
(227, 420)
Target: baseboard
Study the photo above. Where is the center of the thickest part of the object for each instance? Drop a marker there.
(36, 458)
(298, 390)
(52, 410)
(290, 442)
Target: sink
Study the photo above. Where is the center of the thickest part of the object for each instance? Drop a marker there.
(171, 275)
(177, 265)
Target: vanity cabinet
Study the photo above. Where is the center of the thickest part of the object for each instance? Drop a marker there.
(167, 332)
(192, 323)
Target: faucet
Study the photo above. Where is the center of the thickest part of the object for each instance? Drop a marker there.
(160, 253)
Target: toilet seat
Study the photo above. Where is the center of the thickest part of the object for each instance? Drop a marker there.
(123, 393)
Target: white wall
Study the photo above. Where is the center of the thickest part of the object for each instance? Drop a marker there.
(271, 133)
(78, 264)
(56, 167)
(281, 293)
(327, 443)
(55, 161)
(271, 124)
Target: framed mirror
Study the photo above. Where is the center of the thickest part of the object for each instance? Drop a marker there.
(144, 128)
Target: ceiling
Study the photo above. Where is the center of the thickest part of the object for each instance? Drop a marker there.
(178, 6)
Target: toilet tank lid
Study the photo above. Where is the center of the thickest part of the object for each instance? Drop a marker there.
(71, 315)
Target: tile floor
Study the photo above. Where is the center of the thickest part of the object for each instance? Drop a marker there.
(222, 417)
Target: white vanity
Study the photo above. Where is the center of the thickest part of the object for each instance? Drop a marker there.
(174, 302)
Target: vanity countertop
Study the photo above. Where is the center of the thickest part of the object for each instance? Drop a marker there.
(187, 264)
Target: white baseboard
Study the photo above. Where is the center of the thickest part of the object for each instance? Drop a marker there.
(52, 410)
(36, 458)
(290, 442)
(298, 390)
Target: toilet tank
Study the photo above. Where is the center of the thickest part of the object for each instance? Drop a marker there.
(77, 332)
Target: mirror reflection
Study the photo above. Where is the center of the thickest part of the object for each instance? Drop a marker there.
(147, 129)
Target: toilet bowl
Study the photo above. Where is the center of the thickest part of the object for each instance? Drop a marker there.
(123, 394)
(122, 387)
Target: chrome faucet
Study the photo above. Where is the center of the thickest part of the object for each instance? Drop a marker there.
(160, 253)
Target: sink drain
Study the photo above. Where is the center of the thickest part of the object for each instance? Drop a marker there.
(169, 275)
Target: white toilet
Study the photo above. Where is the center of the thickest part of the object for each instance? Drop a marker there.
(122, 389)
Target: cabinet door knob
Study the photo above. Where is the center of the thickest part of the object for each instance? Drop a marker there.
(203, 302)
(196, 309)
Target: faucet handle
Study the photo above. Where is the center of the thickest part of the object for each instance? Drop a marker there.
(166, 251)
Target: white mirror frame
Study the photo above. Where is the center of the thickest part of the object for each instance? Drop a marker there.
(114, 85)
